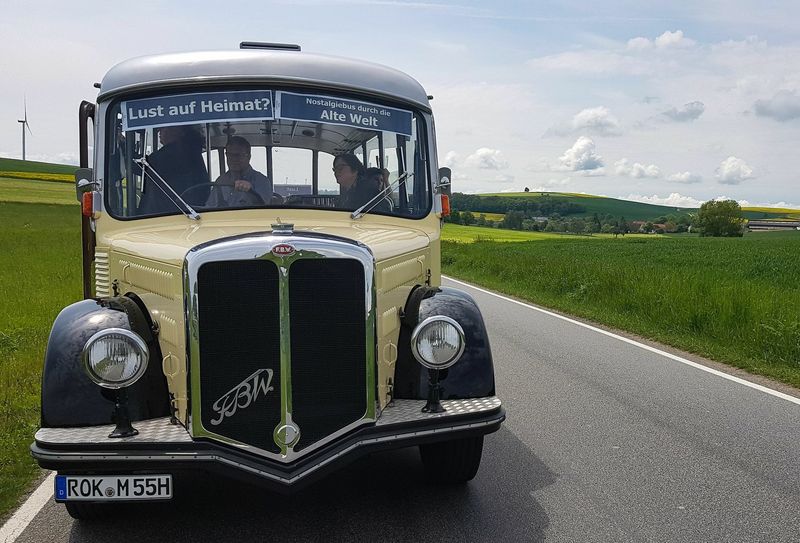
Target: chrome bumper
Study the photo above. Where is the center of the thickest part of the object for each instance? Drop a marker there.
(163, 446)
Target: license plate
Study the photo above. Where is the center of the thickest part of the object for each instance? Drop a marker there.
(110, 487)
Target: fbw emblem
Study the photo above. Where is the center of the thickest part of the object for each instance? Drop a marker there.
(283, 249)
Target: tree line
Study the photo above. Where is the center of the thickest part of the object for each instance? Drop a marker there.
(546, 214)
(543, 206)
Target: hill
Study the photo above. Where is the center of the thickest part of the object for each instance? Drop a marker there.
(632, 211)
(29, 169)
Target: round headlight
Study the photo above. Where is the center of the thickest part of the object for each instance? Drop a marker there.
(437, 342)
(115, 357)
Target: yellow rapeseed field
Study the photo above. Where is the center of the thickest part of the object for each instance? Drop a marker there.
(40, 176)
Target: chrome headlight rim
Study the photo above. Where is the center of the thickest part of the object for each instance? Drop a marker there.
(421, 326)
(136, 340)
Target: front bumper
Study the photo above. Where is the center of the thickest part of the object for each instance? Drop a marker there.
(161, 446)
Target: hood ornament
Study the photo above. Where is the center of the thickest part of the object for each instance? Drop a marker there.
(283, 228)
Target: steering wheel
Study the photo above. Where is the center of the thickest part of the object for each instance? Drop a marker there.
(249, 197)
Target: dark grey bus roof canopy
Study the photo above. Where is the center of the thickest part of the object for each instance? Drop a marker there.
(262, 66)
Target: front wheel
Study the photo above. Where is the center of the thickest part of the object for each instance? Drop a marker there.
(452, 462)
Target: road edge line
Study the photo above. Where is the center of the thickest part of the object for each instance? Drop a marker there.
(23, 516)
(713, 371)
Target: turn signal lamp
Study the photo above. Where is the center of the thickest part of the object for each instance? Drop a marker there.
(87, 204)
(445, 205)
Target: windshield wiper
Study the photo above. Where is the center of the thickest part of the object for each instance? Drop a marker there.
(366, 208)
(151, 172)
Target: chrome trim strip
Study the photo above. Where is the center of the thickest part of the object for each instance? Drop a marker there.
(183, 456)
(259, 246)
(161, 431)
(286, 352)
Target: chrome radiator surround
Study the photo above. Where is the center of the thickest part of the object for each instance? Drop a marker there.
(260, 247)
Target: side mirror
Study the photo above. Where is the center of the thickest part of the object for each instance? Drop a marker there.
(83, 182)
(445, 175)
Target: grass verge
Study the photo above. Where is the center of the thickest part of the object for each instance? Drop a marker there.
(39, 275)
(733, 300)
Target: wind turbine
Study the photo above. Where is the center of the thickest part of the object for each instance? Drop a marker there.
(25, 125)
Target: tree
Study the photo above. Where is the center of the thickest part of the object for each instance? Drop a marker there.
(594, 226)
(720, 218)
(513, 220)
(467, 218)
(527, 189)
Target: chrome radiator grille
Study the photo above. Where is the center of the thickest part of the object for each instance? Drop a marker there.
(281, 346)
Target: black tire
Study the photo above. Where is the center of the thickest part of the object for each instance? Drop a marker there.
(89, 511)
(452, 462)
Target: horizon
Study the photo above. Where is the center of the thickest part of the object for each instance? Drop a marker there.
(669, 105)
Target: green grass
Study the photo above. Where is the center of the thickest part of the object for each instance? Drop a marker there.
(470, 234)
(39, 275)
(733, 300)
(36, 192)
(632, 211)
(14, 165)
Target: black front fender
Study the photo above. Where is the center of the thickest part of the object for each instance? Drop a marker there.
(473, 375)
(69, 397)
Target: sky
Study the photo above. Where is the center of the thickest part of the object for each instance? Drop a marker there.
(671, 103)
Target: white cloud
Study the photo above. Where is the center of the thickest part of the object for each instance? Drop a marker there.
(451, 159)
(689, 112)
(581, 156)
(487, 159)
(59, 158)
(636, 170)
(673, 39)
(784, 106)
(675, 199)
(639, 43)
(783, 205)
(596, 121)
(664, 41)
(685, 177)
(733, 171)
(503, 178)
(591, 63)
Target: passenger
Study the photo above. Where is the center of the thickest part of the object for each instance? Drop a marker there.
(180, 163)
(385, 173)
(378, 182)
(357, 185)
(349, 173)
(241, 185)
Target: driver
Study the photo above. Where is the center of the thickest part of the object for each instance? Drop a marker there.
(241, 185)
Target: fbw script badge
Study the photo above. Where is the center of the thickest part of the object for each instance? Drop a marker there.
(283, 249)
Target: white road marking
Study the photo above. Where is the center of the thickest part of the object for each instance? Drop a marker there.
(636, 343)
(25, 514)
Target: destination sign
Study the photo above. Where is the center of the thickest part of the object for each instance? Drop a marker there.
(197, 108)
(326, 109)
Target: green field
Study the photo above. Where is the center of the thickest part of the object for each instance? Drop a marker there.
(634, 211)
(736, 300)
(36, 192)
(14, 165)
(469, 234)
(39, 275)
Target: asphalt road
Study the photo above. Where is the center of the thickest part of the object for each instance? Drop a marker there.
(604, 441)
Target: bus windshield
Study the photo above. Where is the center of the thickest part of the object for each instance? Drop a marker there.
(212, 151)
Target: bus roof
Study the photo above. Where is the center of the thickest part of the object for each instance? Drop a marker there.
(262, 66)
